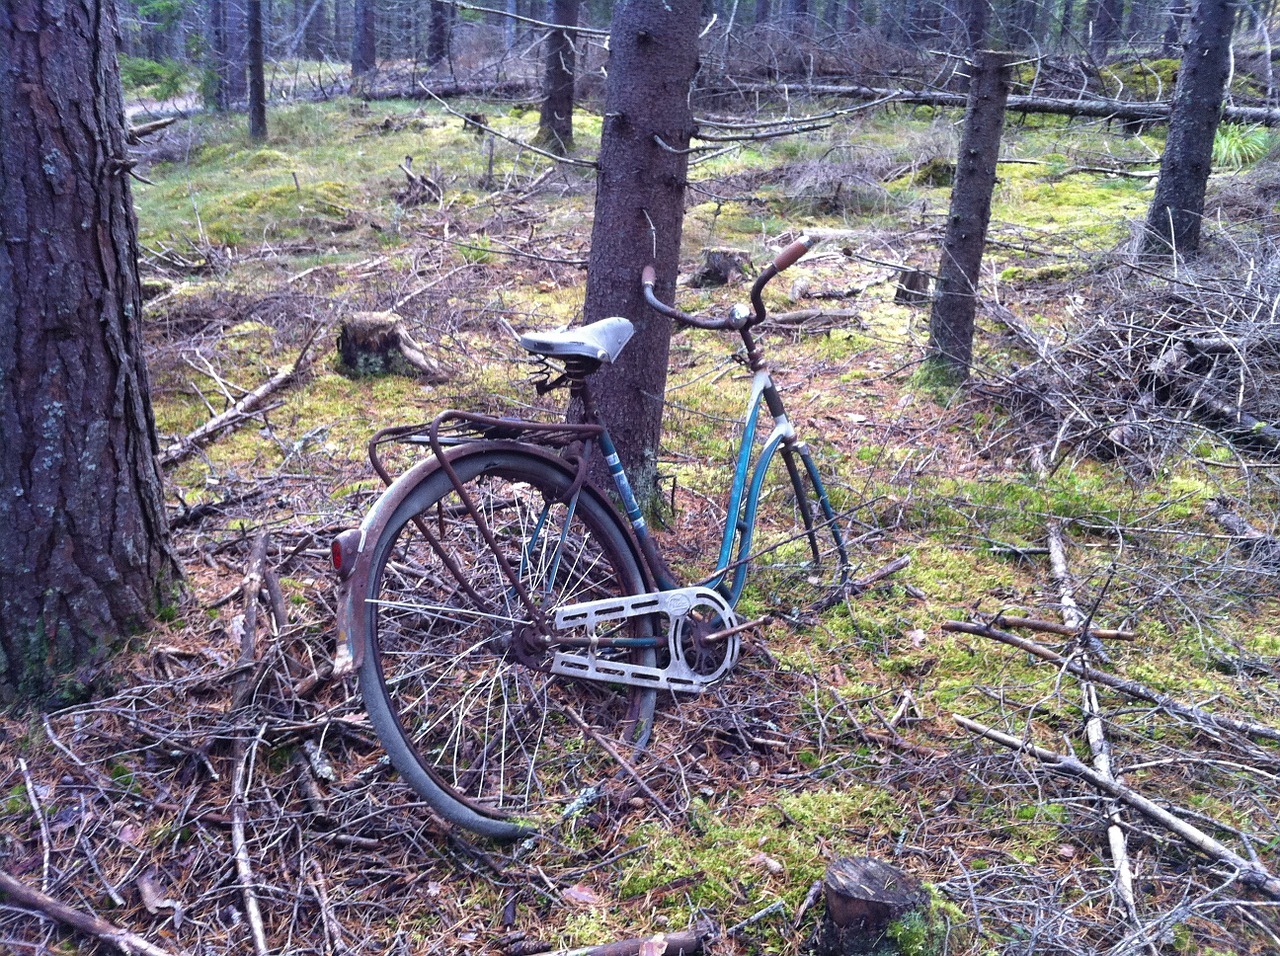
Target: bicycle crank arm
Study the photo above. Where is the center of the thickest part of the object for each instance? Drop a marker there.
(688, 613)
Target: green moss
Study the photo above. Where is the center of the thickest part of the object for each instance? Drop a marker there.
(1057, 272)
(1145, 80)
(935, 929)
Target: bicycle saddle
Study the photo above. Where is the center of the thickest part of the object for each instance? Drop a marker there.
(601, 341)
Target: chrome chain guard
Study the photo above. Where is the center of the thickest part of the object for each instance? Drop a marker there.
(677, 606)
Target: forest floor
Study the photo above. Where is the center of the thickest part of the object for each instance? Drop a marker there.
(200, 792)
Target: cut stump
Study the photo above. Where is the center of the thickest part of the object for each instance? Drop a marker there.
(864, 898)
(913, 288)
(375, 343)
(721, 267)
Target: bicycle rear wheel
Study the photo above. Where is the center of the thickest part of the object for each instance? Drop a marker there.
(453, 675)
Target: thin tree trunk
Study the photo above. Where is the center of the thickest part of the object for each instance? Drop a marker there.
(86, 556)
(555, 124)
(1173, 221)
(438, 38)
(1173, 28)
(639, 212)
(236, 20)
(364, 53)
(951, 322)
(257, 74)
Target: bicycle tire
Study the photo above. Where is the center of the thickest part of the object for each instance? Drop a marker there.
(796, 565)
(490, 742)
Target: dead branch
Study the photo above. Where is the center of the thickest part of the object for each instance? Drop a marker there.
(1052, 627)
(234, 416)
(1249, 873)
(135, 134)
(1195, 715)
(244, 868)
(669, 944)
(830, 317)
(86, 923)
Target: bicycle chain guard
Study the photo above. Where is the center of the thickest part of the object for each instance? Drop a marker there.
(688, 612)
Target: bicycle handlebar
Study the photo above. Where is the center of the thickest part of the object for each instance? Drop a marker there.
(739, 318)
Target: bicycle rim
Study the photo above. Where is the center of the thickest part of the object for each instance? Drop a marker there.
(457, 696)
(798, 551)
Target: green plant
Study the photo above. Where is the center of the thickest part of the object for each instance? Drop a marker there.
(1236, 146)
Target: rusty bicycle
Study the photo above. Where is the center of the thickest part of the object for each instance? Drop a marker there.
(507, 619)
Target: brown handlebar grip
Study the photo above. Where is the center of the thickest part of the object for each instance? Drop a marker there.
(648, 276)
(790, 255)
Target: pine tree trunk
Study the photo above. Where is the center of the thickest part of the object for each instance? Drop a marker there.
(85, 551)
(257, 74)
(1173, 221)
(555, 124)
(951, 322)
(235, 21)
(438, 38)
(364, 39)
(639, 212)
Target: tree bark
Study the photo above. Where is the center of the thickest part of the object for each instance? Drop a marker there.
(364, 38)
(863, 898)
(1173, 221)
(951, 321)
(438, 37)
(555, 124)
(257, 74)
(235, 21)
(639, 213)
(86, 552)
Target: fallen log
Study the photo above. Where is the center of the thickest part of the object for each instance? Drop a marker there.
(1090, 107)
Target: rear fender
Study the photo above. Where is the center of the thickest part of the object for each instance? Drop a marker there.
(352, 619)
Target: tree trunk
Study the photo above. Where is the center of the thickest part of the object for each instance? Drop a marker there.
(86, 555)
(555, 124)
(364, 40)
(217, 97)
(438, 38)
(1173, 221)
(1173, 28)
(639, 213)
(257, 74)
(235, 20)
(1104, 28)
(951, 322)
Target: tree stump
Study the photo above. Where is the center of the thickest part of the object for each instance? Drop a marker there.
(720, 267)
(375, 343)
(913, 288)
(864, 898)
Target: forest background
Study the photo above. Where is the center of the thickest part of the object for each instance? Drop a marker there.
(1110, 462)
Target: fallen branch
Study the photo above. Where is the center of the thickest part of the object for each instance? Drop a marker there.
(806, 316)
(669, 944)
(86, 923)
(1053, 627)
(240, 849)
(243, 409)
(135, 134)
(1197, 716)
(1249, 873)
(234, 416)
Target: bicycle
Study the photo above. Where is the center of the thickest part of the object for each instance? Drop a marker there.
(495, 568)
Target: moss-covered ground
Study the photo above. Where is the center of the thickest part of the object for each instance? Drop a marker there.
(835, 735)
